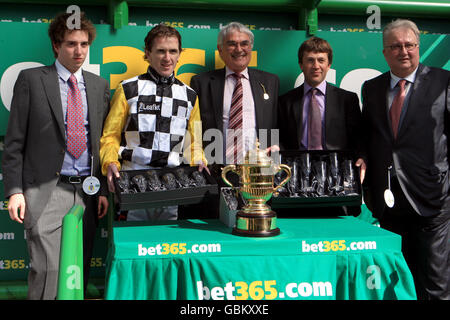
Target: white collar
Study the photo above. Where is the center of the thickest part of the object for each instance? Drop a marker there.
(410, 78)
(65, 74)
(228, 71)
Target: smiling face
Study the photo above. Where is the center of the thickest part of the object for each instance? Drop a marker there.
(236, 51)
(164, 55)
(72, 51)
(401, 61)
(315, 66)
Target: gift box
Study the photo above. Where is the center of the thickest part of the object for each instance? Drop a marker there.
(161, 187)
(318, 179)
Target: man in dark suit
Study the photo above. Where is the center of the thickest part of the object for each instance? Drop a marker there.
(406, 124)
(340, 114)
(318, 115)
(54, 129)
(215, 91)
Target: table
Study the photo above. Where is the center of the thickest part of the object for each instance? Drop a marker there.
(327, 258)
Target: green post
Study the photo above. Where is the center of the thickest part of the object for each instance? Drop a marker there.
(70, 279)
(118, 12)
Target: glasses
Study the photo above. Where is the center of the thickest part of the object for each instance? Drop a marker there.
(243, 44)
(399, 47)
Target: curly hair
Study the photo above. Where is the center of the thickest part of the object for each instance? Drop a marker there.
(58, 28)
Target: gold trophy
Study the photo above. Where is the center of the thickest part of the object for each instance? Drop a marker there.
(256, 177)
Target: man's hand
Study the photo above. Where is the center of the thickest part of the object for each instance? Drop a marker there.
(16, 207)
(202, 166)
(274, 148)
(362, 171)
(102, 206)
(112, 172)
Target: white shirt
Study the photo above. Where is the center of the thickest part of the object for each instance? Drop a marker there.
(393, 85)
(82, 165)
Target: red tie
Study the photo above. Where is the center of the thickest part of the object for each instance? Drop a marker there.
(234, 134)
(314, 123)
(396, 107)
(76, 135)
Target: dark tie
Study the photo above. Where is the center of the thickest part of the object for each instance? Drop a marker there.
(76, 135)
(314, 123)
(396, 107)
(234, 134)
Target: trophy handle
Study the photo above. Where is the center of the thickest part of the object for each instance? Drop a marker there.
(287, 169)
(225, 170)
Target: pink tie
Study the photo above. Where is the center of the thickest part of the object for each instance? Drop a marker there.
(314, 123)
(76, 135)
(396, 107)
(234, 148)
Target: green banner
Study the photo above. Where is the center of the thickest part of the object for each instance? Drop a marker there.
(119, 55)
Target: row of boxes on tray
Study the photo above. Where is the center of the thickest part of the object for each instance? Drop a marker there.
(318, 179)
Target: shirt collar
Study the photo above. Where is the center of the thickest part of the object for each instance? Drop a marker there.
(322, 87)
(65, 74)
(410, 78)
(229, 71)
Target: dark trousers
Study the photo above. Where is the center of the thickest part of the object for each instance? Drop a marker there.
(425, 242)
(90, 224)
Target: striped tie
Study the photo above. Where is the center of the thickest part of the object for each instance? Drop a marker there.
(234, 132)
(76, 135)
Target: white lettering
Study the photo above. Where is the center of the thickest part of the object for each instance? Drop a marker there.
(374, 280)
(374, 21)
(74, 280)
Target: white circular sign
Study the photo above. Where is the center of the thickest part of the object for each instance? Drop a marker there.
(91, 185)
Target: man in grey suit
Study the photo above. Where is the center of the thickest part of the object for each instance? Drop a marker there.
(407, 124)
(53, 135)
(215, 91)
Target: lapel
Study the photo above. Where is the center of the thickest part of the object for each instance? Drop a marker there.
(51, 87)
(297, 110)
(331, 99)
(217, 85)
(419, 89)
(92, 94)
(256, 85)
(381, 102)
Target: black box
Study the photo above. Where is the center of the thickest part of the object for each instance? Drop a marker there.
(330, 193)
(178, 196)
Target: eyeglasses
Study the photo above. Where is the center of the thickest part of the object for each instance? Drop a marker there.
(399, 47)
(243, 44)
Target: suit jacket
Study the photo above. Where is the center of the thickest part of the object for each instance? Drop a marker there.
(342, 119)
(35, 142)
(209, 87)
(420, 152)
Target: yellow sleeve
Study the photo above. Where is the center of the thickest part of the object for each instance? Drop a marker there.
(193, 149)
(112, 130)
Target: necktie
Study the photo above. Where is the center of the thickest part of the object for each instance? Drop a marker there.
(396, 107)
(76, 137)
(234, 132)
(314, 123)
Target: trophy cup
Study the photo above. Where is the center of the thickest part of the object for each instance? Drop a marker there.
(256, 177)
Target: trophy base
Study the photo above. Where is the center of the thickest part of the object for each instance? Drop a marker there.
(256, 225)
